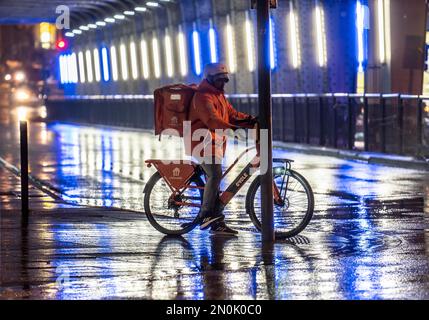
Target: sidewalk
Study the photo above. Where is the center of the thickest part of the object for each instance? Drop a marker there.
(368, 157)
(89, 253)
(368, 230)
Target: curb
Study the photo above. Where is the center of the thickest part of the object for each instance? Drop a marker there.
(368, 157)
(45, 187)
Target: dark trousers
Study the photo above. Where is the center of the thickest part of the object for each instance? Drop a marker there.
(212, 206)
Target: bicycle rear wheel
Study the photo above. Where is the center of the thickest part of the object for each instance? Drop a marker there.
(294, 214)
(163, 214)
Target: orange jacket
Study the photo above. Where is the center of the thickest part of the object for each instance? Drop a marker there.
(211, 110)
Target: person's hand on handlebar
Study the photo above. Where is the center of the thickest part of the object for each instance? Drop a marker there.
(247, 122)
(253, 120)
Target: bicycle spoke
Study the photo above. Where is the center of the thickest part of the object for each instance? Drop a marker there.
(295, 208)
(169, 215)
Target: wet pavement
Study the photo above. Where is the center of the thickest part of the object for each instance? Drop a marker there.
(369, 237)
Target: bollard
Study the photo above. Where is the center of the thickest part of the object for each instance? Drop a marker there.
(23, 128)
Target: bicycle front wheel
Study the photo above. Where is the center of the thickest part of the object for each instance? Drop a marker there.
(162, 211)
(296, 211)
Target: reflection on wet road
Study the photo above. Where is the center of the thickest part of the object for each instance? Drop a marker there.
(368, 238)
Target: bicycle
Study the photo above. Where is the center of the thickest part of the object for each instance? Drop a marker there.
(173, 195)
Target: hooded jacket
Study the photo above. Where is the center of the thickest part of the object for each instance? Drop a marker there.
(211, 110)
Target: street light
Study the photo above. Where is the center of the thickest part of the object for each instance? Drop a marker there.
(19, 76)
(152, 4)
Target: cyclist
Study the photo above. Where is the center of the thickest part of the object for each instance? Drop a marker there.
(210, 110)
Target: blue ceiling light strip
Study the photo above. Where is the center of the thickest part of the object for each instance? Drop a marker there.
(362, 26)
(213, 45)
(61, 68)
(273, 53)
(105, 64)
(196, 43)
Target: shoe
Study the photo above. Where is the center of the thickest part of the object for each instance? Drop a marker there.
(222, 229)
(207, 221)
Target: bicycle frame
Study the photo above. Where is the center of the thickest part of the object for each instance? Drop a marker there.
(178, 175)
(178, 182)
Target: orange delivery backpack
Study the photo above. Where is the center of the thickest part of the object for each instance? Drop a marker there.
(172, 104)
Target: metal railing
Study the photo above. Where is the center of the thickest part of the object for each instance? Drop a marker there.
(388, 123)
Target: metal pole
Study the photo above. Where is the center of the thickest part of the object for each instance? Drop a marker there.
(366, 123)
(23, 128)
(264, 86)
(401, 124)
(307, 114)
(335, 142)
(350, 138)
(321, 124)
(383, 124)
(419, 123)
(282, 122)
(295, 120)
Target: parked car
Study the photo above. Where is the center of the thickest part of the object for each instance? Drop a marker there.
(25, 100)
